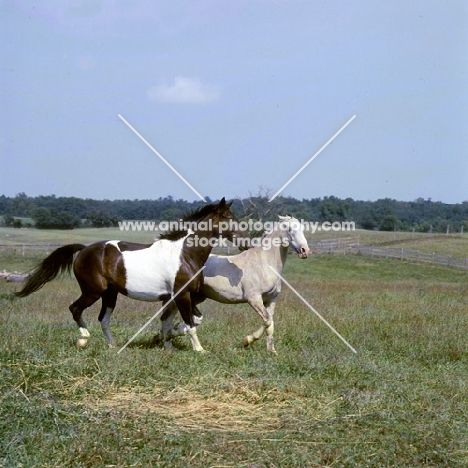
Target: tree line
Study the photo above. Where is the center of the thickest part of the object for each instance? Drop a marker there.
(50, 211)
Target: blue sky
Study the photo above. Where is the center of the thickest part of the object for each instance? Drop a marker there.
(236, 95)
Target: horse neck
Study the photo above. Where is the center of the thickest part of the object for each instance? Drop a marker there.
(198, 252)
(277, 253)
(201, 253)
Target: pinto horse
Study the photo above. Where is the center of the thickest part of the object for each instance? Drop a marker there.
(247, 277)
(147, 272)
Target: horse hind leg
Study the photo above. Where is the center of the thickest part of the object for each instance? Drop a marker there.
(270, 330)
(167, 321)
(77, 308)
(109, 299)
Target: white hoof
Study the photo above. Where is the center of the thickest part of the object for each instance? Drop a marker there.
(84, 332)
(81, 343)
(182, 330)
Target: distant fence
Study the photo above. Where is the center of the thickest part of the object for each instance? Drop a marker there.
(412, 255)
(334, 245)
(22, 249)
(351, 245)
(344, 246)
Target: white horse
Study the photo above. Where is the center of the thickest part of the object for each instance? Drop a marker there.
(247, 277)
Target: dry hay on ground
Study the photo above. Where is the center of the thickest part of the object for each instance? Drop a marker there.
(241, 410)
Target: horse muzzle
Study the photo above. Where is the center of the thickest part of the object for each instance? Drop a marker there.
(303, 252)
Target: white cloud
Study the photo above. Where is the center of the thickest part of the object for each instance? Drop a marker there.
(184, 90)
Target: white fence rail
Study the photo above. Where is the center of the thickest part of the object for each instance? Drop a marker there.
(344, 246)
(46, 249)
(412, 255)
(27, 248)
(334, 245)
(351, 246)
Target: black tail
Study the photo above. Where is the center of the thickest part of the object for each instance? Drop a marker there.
(59, 261)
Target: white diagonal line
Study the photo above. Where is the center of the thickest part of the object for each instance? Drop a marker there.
(162, 159)
(159, 311)
(313, 310)
(312, 158)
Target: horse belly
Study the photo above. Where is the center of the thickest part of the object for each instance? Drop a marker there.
(219, 289)
(147, 289)
(150, 273)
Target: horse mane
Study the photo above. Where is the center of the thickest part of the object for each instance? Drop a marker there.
(265, 233)
(173, 235)
(193, 216)
(200, 213)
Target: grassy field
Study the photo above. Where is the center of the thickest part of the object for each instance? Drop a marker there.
(60, 236)
(401, 401)
(456, 246)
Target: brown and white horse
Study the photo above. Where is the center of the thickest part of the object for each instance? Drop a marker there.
(147, 272)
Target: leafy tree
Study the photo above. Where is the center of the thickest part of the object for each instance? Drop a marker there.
(369, 223)
(102, 219)
(42, 217)
(8, 220)
(22, 205)
(389, 223)
(53, 219)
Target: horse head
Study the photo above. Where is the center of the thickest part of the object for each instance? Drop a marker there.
(228, 226)
(295, 231)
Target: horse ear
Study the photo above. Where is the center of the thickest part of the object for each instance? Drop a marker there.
(222, 202)
(282, 218)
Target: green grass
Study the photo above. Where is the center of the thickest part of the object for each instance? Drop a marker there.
(456, 246)
(60, 236)
(399, 402)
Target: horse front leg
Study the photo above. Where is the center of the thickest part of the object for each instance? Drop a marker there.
(184, 304)
(257, 304)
